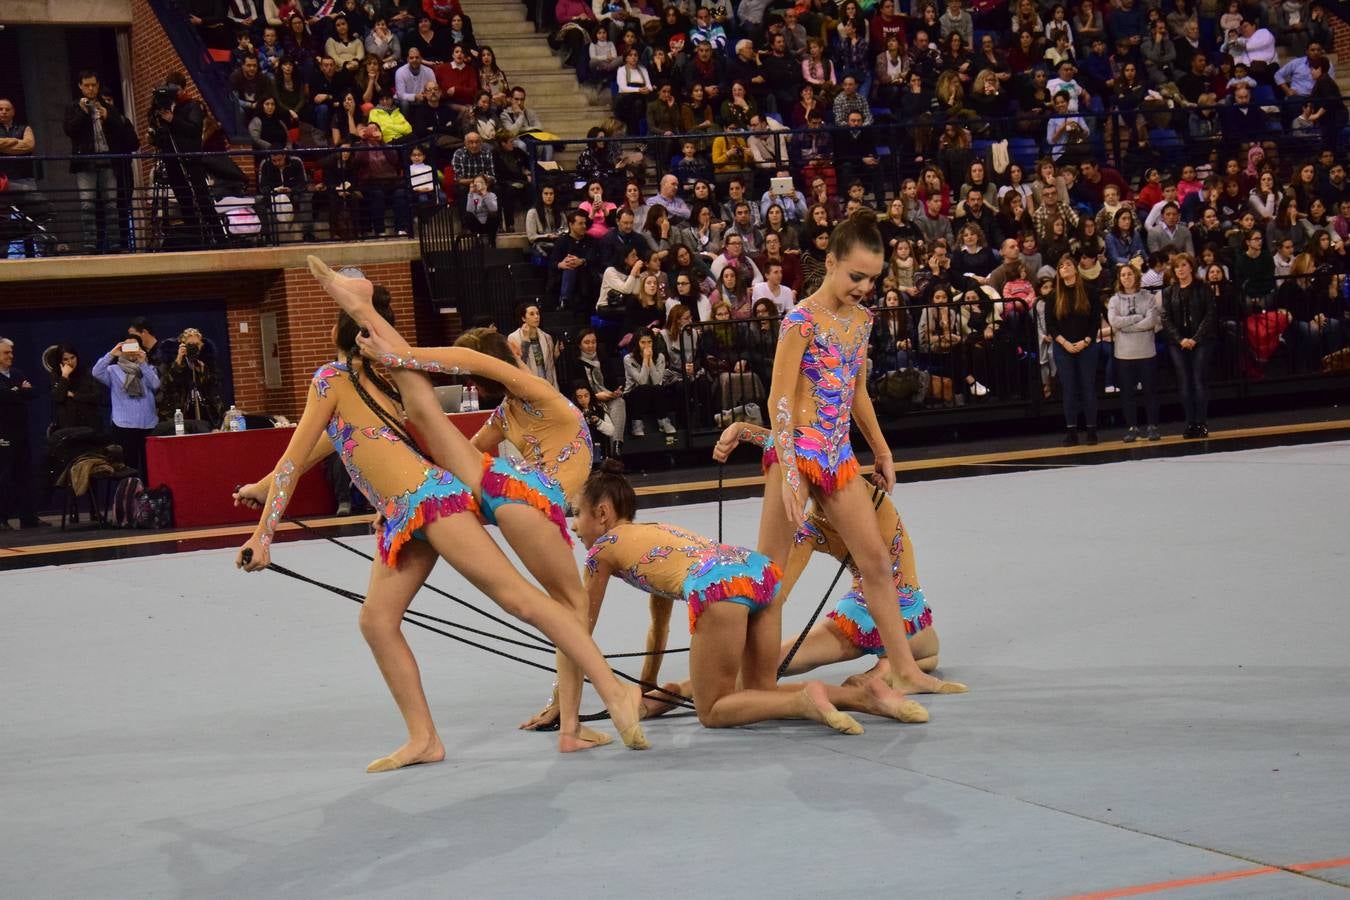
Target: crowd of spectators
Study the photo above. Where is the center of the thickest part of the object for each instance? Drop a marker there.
(1092, 186)
(428, 113)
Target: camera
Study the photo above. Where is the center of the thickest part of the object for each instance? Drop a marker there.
(193, 351)
(164, 97)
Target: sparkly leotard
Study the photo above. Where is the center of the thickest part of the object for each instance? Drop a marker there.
(556, 444)
(409, 490)
(679, 565)
(851, 614)
(821, 447)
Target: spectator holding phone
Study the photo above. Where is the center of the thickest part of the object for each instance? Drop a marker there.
(134, 384)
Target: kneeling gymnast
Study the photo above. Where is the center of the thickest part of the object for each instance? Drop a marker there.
(727, 589)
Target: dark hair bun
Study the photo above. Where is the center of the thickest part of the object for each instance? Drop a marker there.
(864, 216)
(612, 466)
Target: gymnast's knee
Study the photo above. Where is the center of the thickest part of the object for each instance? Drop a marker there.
(375, 623)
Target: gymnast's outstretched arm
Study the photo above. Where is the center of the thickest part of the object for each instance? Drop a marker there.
(318, 410)
(254, 495)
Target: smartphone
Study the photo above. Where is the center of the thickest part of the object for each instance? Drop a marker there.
(131, 347)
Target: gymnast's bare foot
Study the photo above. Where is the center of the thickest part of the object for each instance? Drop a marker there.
(923, 683)
(584, 739)
(814, 704)
(658, 703)
(427, 750)
(882, 700)
(353, 295)
(626, 717)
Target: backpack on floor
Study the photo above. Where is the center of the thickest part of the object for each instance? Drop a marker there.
(153, 508)
(898, 392)
(125, 498)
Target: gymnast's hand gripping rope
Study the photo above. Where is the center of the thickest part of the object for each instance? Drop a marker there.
(541, 644)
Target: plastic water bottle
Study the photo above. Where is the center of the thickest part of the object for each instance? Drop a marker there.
(178, 427)
(234, 420)
(470, 399)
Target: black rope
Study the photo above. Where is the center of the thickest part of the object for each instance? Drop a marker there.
(719, 503)
(783, 666)
(482, 612)
(435, 590)
(878, 497)
(677, 699)
(357, 598)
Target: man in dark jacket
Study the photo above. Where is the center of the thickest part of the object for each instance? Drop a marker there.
(16, 479)
(176, 123)
(436, 126)
(95, 126)
(574, 267)
(855, 154)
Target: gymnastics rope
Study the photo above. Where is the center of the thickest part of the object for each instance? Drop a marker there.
(783, 666)
(677, 699)
(843, 564)
(467, 605)
(719, 503)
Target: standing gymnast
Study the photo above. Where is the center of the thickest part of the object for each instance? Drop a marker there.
(420, 504)
(552, 436)
(818, 390)
(526, 500)
(728, 590)
(849, 630)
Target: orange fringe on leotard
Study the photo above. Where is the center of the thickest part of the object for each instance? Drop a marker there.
(424, 513)
(827, 481)
(501, 486)
(761, 590)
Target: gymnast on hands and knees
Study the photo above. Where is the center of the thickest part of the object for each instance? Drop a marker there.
(727, 589)
(422, 506)
(819, 389)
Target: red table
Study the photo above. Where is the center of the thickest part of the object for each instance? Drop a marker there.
(203, 470)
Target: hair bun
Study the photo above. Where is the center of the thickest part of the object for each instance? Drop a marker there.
(611, 466)
(864, 215)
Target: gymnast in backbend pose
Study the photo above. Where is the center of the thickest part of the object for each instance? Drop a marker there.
(728, 590)
(849, 631)
(420, 504)
(818, 390)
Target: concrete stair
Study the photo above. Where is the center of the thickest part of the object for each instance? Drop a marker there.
(565, 107)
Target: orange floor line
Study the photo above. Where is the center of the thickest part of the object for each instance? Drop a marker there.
(1235, 875)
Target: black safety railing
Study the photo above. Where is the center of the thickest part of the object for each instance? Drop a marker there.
(157, 202)
(979, 357)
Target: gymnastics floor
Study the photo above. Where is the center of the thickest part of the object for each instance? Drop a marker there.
(1160, 706)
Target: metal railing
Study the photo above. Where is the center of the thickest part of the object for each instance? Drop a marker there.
(983, 359)
(218, 200)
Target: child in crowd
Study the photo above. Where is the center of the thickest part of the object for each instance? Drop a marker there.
(422, 180)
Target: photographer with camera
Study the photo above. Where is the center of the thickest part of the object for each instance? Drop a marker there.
(96, 127)
(189, 383)
(133, 383)
(176, 125)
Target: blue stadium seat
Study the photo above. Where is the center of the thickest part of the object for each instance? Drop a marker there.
(1024, 152)
(1264, 95)
(1168, 145)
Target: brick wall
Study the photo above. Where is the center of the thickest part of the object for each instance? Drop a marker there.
(152, 57)
(305, 317)
(1340, 32)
